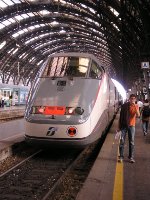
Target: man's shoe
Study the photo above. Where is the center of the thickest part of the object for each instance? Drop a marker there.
(132, 160)
(120, 160)
(145, 133)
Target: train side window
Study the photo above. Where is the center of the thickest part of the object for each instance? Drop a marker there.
(95, 71)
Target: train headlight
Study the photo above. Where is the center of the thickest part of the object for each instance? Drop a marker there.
(37, 110)
(70, 111)
(74, 111)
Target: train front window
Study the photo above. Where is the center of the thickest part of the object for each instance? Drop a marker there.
(67, 66)
(95, 71)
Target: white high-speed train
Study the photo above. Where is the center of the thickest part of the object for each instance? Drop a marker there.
(71, 103)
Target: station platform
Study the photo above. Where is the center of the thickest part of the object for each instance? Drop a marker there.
(12, 131)
(111, 180)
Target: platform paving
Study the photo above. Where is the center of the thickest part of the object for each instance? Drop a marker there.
(110, 180)
(12, 131)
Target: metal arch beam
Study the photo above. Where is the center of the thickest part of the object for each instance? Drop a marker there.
(26, 36)
(129, 50)
(96, 35)
(33, 7)
(63, 38)
(84, 49)
(5, 34)
(14, 58)
(76, 9)
(27, 64)
(68, 43)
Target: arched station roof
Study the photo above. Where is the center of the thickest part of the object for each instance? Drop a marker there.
(116, 31)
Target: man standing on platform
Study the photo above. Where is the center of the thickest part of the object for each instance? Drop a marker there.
(129, 111)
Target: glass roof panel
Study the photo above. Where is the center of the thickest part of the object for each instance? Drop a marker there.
(22, 55)
(20, 32)
(54, 23)
(25, 55)
(39, 36)
(10, 50)
(40, 62)
(44, 12)
(31, 27)
(2, 4)
(6, 22)
(32, 59)
(61, 1)
(18, 17)
(25, 30)
(37, 26)
(16, 1)
(2, 26)
(12, 20)
(15, 35)
(2, 44)
(15, 51)
(8, 2)
(93, 11)
(25, 16)
(30, 14)
(114, 11)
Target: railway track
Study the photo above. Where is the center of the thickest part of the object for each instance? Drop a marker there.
(48, 175)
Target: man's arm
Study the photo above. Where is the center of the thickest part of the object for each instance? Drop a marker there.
(137, 110)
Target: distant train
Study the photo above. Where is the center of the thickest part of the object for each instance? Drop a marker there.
(17, 93)
(71, 103)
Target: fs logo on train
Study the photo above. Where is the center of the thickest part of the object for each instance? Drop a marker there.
(51, 131)
(72, 131)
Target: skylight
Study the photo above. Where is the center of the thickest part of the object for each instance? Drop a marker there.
(114, 11)
(44, 12)
(8, 2)
(40, 62)
(6, 22)
(15, 51)
(2, 26)
(2, 44)
(2, 4)
(15, 35)
(54, 23)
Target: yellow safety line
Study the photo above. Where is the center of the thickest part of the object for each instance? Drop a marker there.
(118, 185)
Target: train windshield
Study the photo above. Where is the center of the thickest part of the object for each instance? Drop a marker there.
(67, 66)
